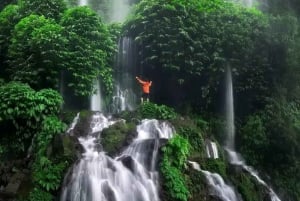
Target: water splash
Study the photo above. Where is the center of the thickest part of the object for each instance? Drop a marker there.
(131, 176)
(219, 188)
(123, 99)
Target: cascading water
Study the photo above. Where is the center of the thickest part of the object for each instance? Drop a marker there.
(96, 99)
(229, 111)
(131, 176)
(234, 157)
(124, 97)
(73, 124)
(211, 149)
(219, 188)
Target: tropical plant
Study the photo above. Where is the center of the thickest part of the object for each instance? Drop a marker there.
(90, 50)
(189, 44)
(35, 52)
(21, 112)
(151, 110)
(48, 8)
(175, 154)
(38, 194)
(9, 17)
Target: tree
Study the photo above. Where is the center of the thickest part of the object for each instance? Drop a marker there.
(48, 8)
(21, 112)
(194, 43)
(90, 50)
(9, 17)
(36, 51)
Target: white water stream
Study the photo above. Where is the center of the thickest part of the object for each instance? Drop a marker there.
(234, 157)
(211, 149)
(132, 176)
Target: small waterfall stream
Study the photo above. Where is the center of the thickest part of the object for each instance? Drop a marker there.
(234, 157)
(124, 97)
(211, 149)
(132, 176)
(96, 98)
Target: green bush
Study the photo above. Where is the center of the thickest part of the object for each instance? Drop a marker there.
(116, 136)
(22, 110)
(175, 154)
(48, 173)
(39, 195)
(151, 110)
(215, 165)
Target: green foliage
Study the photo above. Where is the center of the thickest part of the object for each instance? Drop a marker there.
(22, 110)
(116, 136)
(215, 165)
(39, 195)
(272, 137)
(90, 50)
(248, 188)
(49, 127)
(196, 43)
(48, 173)
(254, 138)
(151, 110)
(35, 52)
(8, 18)
(175, 154)
(48, 8)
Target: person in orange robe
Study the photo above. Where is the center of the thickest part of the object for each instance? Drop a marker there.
(146, 84)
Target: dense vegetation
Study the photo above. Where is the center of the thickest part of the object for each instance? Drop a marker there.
(185, 47)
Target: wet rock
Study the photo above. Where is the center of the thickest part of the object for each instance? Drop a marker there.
(127, 162)
(65, 145)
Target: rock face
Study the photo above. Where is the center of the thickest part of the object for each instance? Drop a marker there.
(13, 179)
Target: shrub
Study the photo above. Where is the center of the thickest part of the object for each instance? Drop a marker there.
(151, 110)
(175, 154)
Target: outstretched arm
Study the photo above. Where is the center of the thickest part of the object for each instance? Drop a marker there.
(140, 81)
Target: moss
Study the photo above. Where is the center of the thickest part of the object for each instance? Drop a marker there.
(215, 165)
(197, 186)
(248, 187)
(117, 136)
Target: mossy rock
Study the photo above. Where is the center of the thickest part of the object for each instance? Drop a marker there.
(117, 136)
(248, 187)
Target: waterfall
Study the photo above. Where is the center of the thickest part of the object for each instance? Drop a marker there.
(96, 99)
(211, 149)
(124, 97)
(229, 111)
(130, 176)
(219, 188)
(234, 157)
